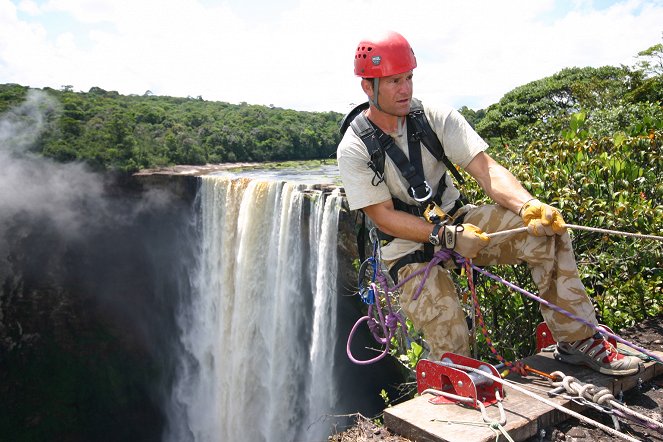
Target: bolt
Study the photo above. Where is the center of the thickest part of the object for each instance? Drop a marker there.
(542, 434)
(460, 383)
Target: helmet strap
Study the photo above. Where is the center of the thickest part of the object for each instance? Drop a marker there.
(376, 90)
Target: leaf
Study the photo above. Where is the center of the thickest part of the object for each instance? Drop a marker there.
(619, 138)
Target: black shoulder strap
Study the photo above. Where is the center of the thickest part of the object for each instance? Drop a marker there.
(424, 132)
(345, 123)
(427, 135)
(377, 141)
(374, 144)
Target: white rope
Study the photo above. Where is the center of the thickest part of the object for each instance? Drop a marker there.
(589, 229)
(471, 401)
(637, 415)
(600, 396)
(495, 426)
(545, 401)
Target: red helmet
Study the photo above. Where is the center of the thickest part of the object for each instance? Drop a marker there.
(385, 55)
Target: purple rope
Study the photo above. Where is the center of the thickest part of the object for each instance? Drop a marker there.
(389, 325)
(444, 255)
(438, 257)
(566, 313)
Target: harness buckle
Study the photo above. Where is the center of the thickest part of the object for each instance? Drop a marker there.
(429, 193)
(434, 214)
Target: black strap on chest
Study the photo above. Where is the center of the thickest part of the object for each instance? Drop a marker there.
(422, 130)
(379, 144)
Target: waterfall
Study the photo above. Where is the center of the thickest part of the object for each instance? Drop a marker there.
(260, 330)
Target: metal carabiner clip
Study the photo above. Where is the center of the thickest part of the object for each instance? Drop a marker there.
(429, 193)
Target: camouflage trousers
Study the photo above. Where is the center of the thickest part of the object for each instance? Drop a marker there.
(438, 313)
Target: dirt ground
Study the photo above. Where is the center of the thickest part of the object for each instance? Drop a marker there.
(646, 400)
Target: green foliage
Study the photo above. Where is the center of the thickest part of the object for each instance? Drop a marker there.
(473, 117)
(650, 61)
(607, 182)
(413, 354)
(589, 142)
(612, 183)
(551, 100)
(111, 131)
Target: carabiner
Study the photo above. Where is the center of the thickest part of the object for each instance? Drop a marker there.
(429, 193)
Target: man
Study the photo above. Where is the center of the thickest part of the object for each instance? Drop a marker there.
(395, 198)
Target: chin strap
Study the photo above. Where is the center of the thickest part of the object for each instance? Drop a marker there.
(376, 89)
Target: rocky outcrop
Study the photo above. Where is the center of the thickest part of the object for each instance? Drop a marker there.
(85, 316)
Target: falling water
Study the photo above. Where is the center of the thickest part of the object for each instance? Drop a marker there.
(260, 329)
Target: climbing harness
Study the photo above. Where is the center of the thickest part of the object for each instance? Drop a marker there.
(380, 145)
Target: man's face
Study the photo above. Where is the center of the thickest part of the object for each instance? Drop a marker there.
(395, 94)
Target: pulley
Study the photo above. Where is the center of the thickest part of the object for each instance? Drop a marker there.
(455, 385)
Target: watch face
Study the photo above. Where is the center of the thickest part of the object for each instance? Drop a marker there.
(433, 238)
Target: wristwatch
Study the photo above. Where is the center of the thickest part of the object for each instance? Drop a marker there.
(433, 238)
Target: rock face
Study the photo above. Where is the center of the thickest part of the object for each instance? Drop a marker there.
(88, 308)
(85, 314)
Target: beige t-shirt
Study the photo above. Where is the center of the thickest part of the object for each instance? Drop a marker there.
(461, 144)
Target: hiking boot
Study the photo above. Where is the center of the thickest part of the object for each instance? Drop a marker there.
(599, 355)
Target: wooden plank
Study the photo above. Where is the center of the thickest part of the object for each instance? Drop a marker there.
(419, 420)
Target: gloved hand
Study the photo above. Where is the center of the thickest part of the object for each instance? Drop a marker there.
(466, 239)
(542, 219)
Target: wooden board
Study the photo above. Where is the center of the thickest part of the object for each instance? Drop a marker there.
(419, 420)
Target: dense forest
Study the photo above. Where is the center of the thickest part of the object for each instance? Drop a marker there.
(110, 131)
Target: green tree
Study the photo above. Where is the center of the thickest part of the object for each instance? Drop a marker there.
(552, 99)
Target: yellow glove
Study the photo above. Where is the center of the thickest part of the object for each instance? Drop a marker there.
(542, 219)
(466, 239)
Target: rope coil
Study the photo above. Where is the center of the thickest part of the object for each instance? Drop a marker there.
(601, 396)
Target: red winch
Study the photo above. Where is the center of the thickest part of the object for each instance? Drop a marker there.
(454, 385)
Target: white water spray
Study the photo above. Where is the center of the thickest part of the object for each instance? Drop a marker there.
(260, 331)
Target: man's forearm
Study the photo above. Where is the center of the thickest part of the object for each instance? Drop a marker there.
(398, 223)
(506, 190)
(498, 183)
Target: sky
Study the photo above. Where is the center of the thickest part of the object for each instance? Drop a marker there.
(298, 54)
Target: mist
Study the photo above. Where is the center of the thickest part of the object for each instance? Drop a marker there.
(70, 195)
(93, 269)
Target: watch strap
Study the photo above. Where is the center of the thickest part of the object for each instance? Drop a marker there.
(434, 237)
